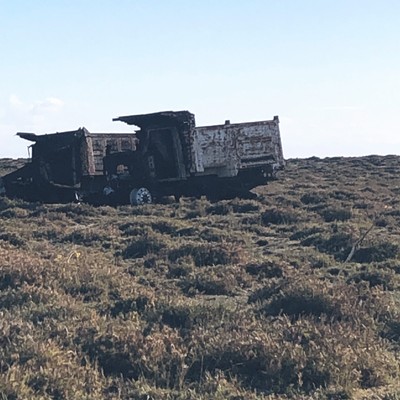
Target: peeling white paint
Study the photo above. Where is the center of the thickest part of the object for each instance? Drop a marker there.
(225, 149)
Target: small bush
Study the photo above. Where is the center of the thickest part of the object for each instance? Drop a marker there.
(206, 254)
(76, 210)
(112, 356)
(14, 213)
(13, 239)
(304, 233)
(379, 252)
(338, 245)
(336, 214)
(211, 284)
(245, 206)
(265, 292)
(312, 198)
(374, 278)
(165, 227)
(391, 330)
(264, 270)
(133, 229)
(300, 304)
(143, 246)
(343, 195)
(382, 222)
(278, 217)
(84, 237)
(125, 306)
(86, 290)
(182, 269)
(222, 208)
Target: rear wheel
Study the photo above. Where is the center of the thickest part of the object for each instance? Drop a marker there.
(140, 196)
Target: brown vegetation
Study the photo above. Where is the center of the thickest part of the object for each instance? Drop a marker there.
(240, 299)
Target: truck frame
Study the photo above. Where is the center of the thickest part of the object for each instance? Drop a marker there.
(165, 155)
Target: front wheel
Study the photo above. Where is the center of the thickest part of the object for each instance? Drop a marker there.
(140, 196)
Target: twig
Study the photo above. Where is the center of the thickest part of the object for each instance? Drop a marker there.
(358, 243)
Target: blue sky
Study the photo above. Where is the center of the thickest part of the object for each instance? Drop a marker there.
(329, 69)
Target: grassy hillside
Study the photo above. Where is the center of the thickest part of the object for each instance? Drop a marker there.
(292, 295)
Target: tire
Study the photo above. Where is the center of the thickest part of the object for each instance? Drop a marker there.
(140, 196)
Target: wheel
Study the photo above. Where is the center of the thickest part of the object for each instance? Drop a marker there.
(140, 196)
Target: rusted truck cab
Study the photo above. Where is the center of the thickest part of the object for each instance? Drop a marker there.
(166, 154)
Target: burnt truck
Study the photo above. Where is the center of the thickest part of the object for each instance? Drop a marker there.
(165, 155)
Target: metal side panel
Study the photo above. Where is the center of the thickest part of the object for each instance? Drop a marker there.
(225, 149)
(116, 142)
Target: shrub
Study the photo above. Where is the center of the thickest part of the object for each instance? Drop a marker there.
(14, 213)
(141, 301)
(13, 239)
(379, 252)
(182, 269)
(221, 208)
(165, 227)
(264, 270)
(304, 233)
(84, 237)
(76, 210)
(277, 217)
(304, 302)
(391, 330)
(266, 292)
(312, 198)
(343, 195)
(207, 254)
(133, 229)
(189, 314)
(374, 278)
(143, 246)
(211, 283)
(87, 290)
(338, 245)
(307, 296)
(336, 214)
(242, 206)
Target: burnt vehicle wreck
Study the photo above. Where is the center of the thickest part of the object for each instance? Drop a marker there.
(167, 155)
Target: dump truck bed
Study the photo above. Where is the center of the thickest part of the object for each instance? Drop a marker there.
(226, 149)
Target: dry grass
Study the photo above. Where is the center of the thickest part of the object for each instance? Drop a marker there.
(241, 299)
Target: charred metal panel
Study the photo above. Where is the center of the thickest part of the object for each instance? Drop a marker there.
(180, 123)
(64, 158)
(101, 143)
(80, 152)
(56, 157)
